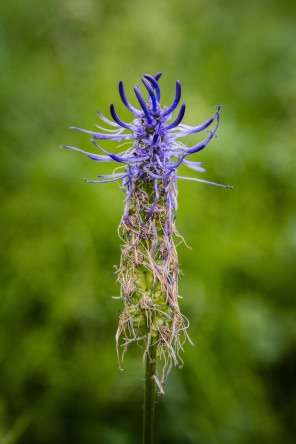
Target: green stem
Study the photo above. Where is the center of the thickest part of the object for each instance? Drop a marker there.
(149, 394)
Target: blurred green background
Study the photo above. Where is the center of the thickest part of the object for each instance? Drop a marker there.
(61, 61)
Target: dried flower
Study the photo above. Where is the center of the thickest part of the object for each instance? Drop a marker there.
(149, 268)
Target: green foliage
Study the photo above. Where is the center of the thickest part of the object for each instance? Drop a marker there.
(59, 379)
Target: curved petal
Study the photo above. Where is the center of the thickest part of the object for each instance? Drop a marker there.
(185, 130)
(118, 137)
(142, 104)
(105, 181)
(118, 120)
(204, 143)
(204, 181)
(136, 112)
(156, 176)
(175, 102)
(92, 156)
(107, 120)
(155, 85)
(194, 165)
(151, 94)
(178, 119)
(158, 75)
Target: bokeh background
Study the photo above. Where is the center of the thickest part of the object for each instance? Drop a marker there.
(61, 61)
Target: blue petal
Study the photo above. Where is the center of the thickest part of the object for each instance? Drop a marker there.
(176, 100)
(178, 119)
(142, 104)
(105, 181)
(204, 181)
(126, 102)
(194, 165)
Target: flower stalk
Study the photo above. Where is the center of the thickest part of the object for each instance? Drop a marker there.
(149, 396)
(149, 269)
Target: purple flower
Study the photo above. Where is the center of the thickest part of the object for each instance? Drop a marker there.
(154, 151)
(149, 269)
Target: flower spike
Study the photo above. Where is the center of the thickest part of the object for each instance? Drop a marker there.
(149, 269)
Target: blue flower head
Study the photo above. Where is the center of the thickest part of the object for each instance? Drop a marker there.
(155, 151)
(149, 269)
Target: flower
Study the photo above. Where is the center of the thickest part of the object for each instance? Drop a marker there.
(154, 143)
(149, 268)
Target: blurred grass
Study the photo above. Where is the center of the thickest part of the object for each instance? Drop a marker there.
(60, 62)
